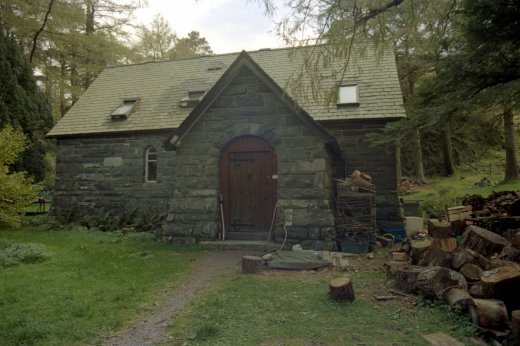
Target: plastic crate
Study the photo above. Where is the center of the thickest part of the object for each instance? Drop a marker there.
(399, 233)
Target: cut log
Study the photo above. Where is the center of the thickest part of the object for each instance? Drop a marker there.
(458, 297)
(342, 289)
(510, 253)
(419, 248)
(435, 257)
(503, 283)
(448, 244)
(482, 241)
(471, 272)
(488, 313)
(515, 326)
(251, 264)
(515, 240)
(497, 263)
(476, 290)
(434, 282)
(391, 268)
(439, 228)
(406, 278)
(468, 256)
(400, 256)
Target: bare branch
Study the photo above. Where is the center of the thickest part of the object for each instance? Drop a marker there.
(40, 30)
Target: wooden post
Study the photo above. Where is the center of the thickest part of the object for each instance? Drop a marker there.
(251, 264)
(342, 289)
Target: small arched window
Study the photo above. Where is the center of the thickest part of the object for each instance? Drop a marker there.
(150, 165)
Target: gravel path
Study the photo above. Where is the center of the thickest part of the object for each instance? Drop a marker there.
(152, 328)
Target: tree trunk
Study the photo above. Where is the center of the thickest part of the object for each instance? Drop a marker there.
(391, 268)
(406, 278)
(458, 296)
(434, 282)
(468, 256)
(449, 162)
(251, 264)
(482, 241)
(488, 313)
(503, 283)
(419, 249)
(419, 169)
(509, 146)
(398, 165)
(471, 272)
(342, 289)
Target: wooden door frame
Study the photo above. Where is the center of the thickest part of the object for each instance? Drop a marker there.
(244, 144)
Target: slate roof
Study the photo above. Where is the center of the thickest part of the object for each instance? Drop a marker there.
(160, 85)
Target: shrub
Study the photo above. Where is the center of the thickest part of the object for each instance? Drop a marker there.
(14, 254)
(16, 189)
(435, 206)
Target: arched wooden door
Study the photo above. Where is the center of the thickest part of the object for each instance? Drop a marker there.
(248, 187)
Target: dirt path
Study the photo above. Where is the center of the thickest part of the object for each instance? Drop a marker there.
(151, 329)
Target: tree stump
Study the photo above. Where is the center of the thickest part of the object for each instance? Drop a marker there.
(515, 326)
(406, 278)
(435, 257)
(433, 282)
(391, 268)
(448, 244)
(458, 297)
(342, 289)
(419, 248)
(251, 264)
(503, 283)
(488, 313)
(471, 272)
(439, 229)
(482, 241)
(468, 256)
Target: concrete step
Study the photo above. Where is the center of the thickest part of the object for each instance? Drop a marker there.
(247, 236)
(240, 245)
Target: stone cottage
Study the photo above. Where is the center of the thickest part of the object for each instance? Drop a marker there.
(219, 142)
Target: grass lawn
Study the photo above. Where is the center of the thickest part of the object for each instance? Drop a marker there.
(293, 308)
(91, 285)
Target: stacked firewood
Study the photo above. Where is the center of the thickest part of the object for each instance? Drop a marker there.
(481, 274)
(498, 203)
(355, 209)
(406, 186)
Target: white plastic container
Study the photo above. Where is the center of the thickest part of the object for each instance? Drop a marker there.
(413, 224)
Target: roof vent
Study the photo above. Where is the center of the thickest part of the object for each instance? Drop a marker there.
(192, 98)
(215, 66)
(123, 111)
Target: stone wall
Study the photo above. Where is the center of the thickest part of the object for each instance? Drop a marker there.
(248, 107)
(97, 174)
(379, 162)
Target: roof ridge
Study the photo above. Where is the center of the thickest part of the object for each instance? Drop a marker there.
(210, 56)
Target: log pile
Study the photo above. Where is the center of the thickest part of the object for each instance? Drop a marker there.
(355, 212)
(480, 275)
(499, 203)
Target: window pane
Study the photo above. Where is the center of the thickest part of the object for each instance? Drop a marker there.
(347, 94)
(152, 171)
